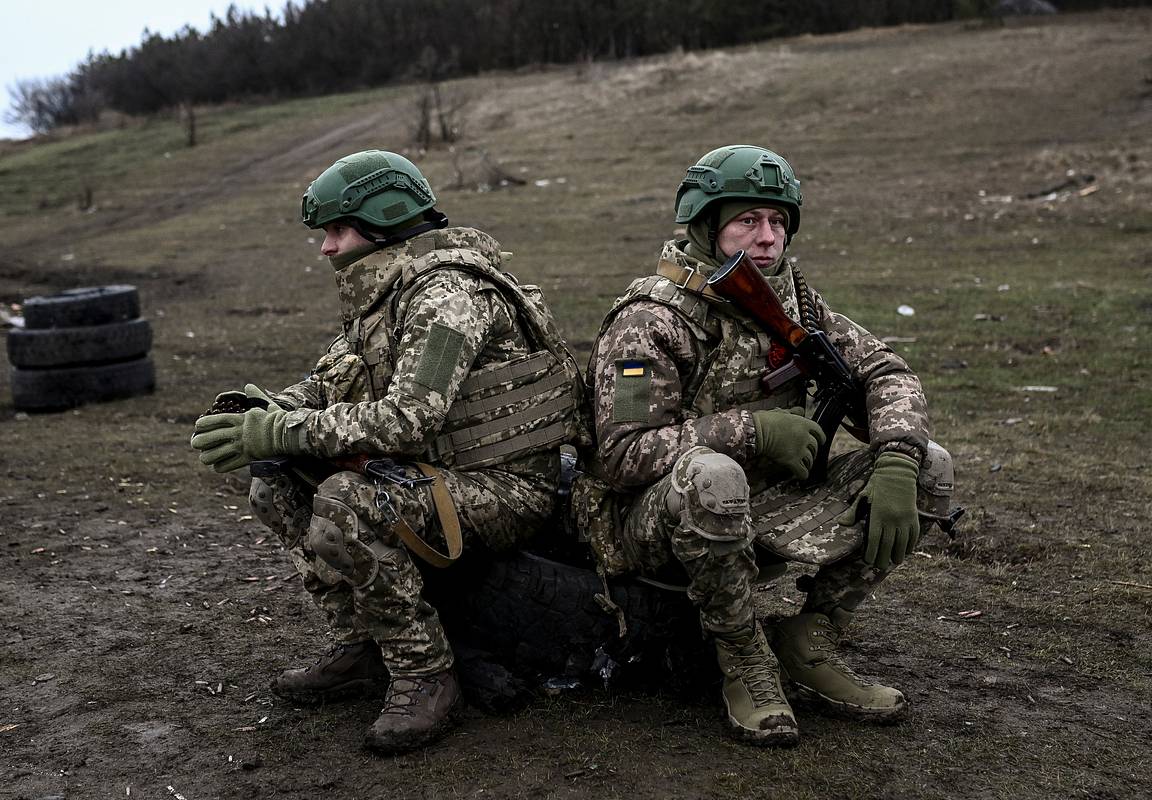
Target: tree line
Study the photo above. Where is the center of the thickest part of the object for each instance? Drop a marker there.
(321, 46)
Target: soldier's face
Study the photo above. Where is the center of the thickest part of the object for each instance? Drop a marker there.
(340, 238)
(761, 233)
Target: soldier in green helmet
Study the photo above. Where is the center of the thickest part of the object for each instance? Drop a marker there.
(705, 470)
(432, 424)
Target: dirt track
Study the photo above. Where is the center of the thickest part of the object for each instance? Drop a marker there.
(145, 612)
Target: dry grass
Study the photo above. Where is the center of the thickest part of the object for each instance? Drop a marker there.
(926, 154)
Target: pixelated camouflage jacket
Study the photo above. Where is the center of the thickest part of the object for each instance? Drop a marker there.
(443, 358)
(671, 370)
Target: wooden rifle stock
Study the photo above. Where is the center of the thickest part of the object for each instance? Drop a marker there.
(740, 281)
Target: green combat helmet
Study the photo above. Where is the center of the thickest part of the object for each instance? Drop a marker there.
(378, 193)
(739, 172)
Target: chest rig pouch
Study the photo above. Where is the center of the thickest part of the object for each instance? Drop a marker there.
(508, 409)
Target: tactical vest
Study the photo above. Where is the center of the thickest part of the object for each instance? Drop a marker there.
(502, 411)
(733, 353)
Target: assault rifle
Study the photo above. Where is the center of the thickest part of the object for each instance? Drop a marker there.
(838, 394)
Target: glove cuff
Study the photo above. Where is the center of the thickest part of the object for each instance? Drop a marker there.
(762, 420)
(289, 440)
(893, 462)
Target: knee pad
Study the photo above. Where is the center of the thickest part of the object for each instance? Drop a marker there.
(710, 494)
(334, 535)
(280, 507)
(935, 482)
(263, 502)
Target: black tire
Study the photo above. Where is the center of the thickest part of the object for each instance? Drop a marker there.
(540, 619)
(89, 305)
(56, 389)
(91, 344)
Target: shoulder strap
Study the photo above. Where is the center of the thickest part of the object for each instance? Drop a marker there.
(686, 278)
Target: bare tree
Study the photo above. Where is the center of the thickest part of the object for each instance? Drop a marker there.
(45, 105)
(438, 116)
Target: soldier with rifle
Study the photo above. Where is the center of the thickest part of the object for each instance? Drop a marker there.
(432, 425)
(718, 384)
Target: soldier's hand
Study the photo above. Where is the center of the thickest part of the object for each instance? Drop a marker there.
(788, 439)
(893, 522)
(231, 441)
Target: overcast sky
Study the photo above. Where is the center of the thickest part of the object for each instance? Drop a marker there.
(44, 39)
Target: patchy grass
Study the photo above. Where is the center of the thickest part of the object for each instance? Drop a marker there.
(998, 181)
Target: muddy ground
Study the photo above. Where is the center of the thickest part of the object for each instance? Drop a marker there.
(995, 179)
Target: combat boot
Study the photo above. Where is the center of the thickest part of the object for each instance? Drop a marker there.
(758, 712)
(807, 646)
(344, 671)
(418, 710)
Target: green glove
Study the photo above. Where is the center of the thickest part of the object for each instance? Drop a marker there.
(893, 522)
(231, 441)
(788, 439)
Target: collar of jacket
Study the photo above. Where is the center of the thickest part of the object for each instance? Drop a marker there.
(371, 275)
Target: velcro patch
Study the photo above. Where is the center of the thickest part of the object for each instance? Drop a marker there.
(633, 390)
(438, 361)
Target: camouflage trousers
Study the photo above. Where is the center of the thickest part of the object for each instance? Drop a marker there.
(697, 516)
(382, 600)
(783, 522)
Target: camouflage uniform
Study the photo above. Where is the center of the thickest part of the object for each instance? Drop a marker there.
(676, 373)
(432, 330)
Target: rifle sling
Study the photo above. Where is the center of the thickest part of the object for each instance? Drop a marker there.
(689, 279)
(449, 524)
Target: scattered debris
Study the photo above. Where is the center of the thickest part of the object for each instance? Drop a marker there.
(1131, 583)
(1074, 182)
(905, 311)
(1048, 389)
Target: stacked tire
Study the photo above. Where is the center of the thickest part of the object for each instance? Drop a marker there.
(80, 346)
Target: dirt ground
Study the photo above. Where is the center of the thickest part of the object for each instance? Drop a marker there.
(997, 180)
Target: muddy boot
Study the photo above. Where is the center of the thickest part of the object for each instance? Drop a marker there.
(758, 713)
(419, 710)
(807, 647)
(344, 671)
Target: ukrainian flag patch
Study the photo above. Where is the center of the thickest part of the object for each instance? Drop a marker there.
(633, 393)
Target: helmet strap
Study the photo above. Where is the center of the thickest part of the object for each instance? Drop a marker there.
(713, 230)
(433, 220)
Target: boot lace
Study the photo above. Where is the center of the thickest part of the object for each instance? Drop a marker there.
(826, 640)
(402, 696)
(334, 653)
(756, 675)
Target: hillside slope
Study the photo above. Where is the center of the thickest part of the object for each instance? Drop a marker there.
(996, 180)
